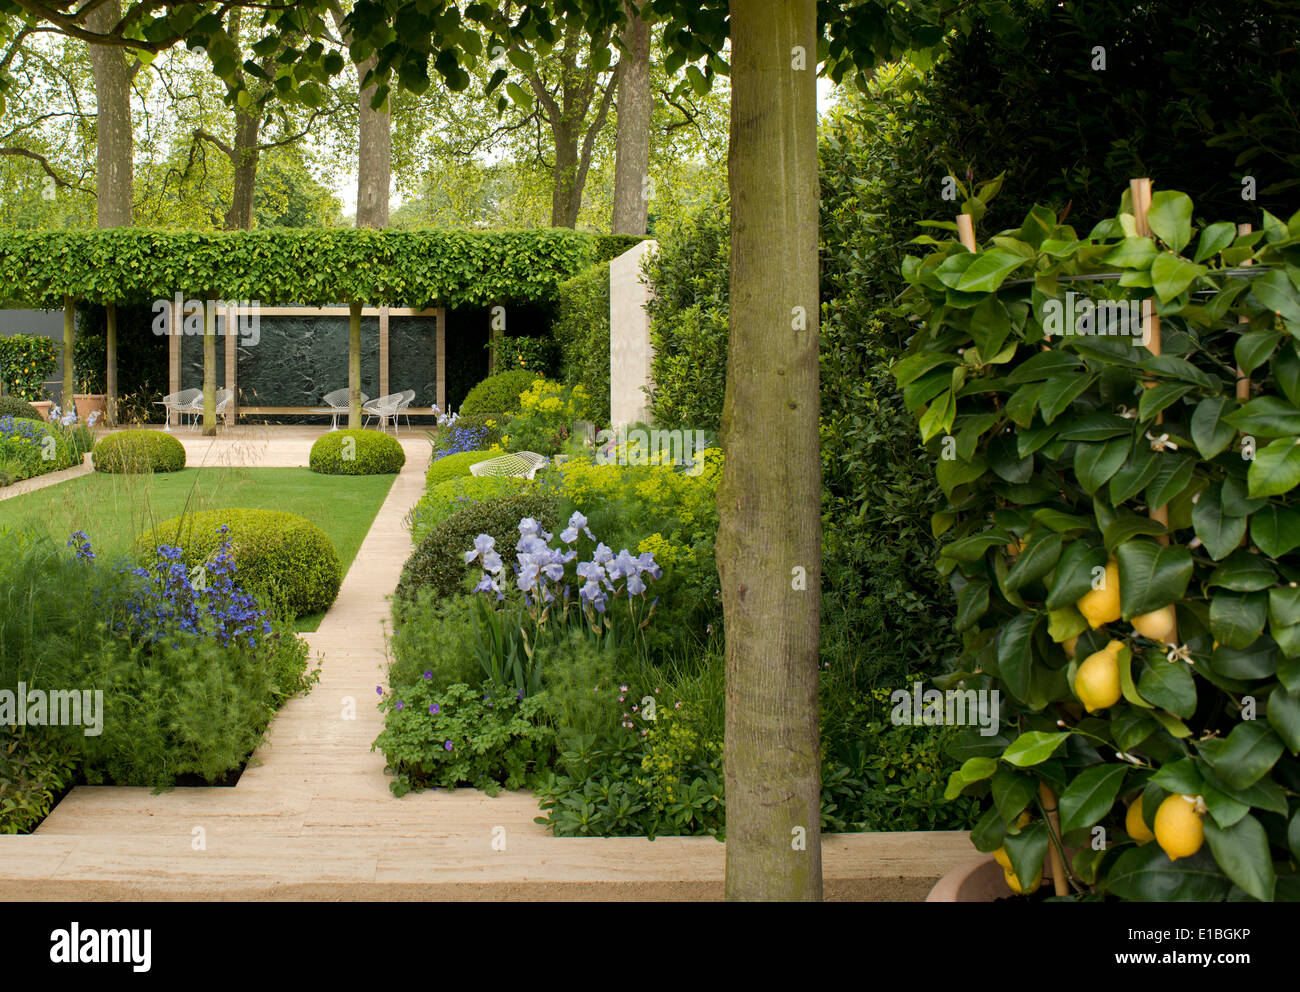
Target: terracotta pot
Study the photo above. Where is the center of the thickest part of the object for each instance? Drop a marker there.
(43, 408)
(88, 403)
(979, 881)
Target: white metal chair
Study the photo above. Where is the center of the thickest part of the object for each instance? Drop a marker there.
(180, 403)
(408, 397)
(384, 409)
(339, 401)
(520, 464)
(221, 398)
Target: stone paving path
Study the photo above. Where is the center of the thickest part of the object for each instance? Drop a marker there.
(313, 817)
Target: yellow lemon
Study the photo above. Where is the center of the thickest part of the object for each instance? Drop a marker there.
(1100, 606)
(1013, 882)
(1136, 826)
(1179, 830)
(1158, 625)
(1002, 858)
(1071, 644)
(1096, 683)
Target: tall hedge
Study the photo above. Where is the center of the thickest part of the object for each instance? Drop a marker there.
(581, 330)
(306, 267)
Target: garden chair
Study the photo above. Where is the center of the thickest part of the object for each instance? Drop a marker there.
(180, 403)
(408, 397)
(520, 464)
(384, 409)
(339, 401)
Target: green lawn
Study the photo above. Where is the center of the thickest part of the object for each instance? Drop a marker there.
(114, 509)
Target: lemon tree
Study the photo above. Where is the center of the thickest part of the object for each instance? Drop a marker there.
(1121, 535)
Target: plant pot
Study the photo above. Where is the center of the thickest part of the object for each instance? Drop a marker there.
(88, 403)
(978, 881)
(43, 408)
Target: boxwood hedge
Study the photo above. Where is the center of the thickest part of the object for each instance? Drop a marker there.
(139, 451)
(284, 558)
(370, 453)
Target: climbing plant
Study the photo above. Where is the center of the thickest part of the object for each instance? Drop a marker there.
(1121, 532)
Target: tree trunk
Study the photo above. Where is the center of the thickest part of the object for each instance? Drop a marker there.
(210, 368)
(354, 365)
(244, 160)
(632, 152)
(566, 196)
(374, 157)
(110, 372)
(69, 367)
(769, 500)
(114, 147)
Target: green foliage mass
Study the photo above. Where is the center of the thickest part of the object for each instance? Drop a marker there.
(497, 394)
(27, 361)
(370, 453)
(581, 330)
(139, 451)
(305, 267)
(438, 562)
(283, 557)
(1056, 436)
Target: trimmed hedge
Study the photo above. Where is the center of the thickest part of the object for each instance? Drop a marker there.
(403, 268)
(453, 466)
(438, 563)
(373, 453)
(12, 406)
(283, 557)
(26, 362)
(447, 497)
(581, 330)
(139, 451)
(498, 394)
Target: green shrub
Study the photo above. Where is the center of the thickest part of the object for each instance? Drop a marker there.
(453, 466)
(581, 330)
(356, 452)
(35, 767)
(26, 362)
(435, 636)
(281, 556)
(139, 451)
(33, 447)
(438, 562)
(547, 412)
(485, 737)
(446, 498)
(497, 394)
(13, 406)
(689, 311)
